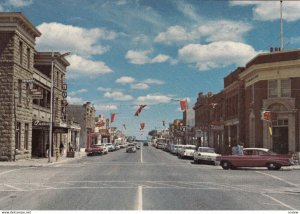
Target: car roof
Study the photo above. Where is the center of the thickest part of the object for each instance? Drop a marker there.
(261, 149)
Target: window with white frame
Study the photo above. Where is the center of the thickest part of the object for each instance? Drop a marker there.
(279, 88)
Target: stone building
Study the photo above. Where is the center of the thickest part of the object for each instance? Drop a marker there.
(17, 42)
(84, 115)
(25, 91)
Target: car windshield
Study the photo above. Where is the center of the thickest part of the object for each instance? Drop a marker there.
(208, 150)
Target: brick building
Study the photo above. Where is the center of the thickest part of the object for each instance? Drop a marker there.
(269, 82)
(84, 115)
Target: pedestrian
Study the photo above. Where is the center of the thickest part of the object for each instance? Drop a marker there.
(61, 148)
(47, 150)
(240, 147)
(234, 149)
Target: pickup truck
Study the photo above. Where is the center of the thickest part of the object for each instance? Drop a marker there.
(94, 150)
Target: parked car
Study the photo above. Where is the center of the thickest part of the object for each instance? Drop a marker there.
(146, 144)
(110, 147)
(187, 151)
(256, 157)
(205, 154)
(94, 150)
(105, 150)
(131, 148)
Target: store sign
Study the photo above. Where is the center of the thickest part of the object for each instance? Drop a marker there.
(40, 123)
(36, 94)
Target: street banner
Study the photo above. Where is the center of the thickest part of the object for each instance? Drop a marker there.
(142, 126)
(183, 105)
(139, 110)
(112, 117)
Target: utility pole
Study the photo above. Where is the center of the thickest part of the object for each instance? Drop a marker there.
(281, 27)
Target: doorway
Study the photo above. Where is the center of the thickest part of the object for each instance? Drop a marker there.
(281, 140)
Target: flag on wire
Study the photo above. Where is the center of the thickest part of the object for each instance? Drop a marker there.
(112, 117)
(142, 126)
(183, 105)
(124, 126)
(163, 123)
(138, 111)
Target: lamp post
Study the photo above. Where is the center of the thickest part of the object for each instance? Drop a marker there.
(51, 102)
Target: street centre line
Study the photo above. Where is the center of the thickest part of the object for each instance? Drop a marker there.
(140, 198)
(141, 154)
(277, 178)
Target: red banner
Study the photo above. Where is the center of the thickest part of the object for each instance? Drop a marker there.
(142, 126)
(183, 105)
(112, 117)
(139, 110)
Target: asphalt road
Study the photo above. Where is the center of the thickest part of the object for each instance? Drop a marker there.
(150, 179)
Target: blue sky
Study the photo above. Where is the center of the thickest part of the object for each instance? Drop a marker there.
(131, 52)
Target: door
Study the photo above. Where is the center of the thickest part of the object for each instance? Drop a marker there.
(280, 140)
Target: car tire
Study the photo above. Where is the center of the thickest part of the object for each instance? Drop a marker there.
(273, 166)
(225, 165)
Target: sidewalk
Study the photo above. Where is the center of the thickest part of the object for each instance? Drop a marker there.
(41, 162)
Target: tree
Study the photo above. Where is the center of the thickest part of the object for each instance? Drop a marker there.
(153, 133)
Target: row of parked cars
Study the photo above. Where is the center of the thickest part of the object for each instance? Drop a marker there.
(101, 149)
(252, 157)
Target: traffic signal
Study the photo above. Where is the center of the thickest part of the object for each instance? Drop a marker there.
(266, 115)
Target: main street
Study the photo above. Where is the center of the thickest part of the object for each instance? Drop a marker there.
(150, 179)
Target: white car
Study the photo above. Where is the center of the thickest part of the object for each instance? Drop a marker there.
(206, 154)
(187, 151)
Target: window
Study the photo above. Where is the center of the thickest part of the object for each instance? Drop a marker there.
(28, 58)
(18, 136)
(285, 88)
(27, 93)
(57, 77)
(26, 140)
(272, 88)
(21, 52)
(20, 91)
(279, 88)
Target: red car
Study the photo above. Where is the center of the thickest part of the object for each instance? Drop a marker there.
(256, 157)
(94, 150)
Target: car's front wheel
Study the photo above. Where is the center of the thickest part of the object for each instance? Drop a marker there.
(273, 166)
(225, 165)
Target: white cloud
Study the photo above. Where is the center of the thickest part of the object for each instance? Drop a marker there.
(19, 3)
(81, 41)
(188, 10)
(173, 34)
(160, 58)
(103, 89)
(154, 81)
(125, 80)
(79, 91)
(142, 38)
(105, 107)
(81, 66)
(138, 57)
(118, 95)
(217, 54)
(270, 10)
(140, 86)
(75, 100)
(141, 57)
(221, 30)
(152, 99)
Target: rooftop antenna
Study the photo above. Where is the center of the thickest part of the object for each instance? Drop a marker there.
(281, 36)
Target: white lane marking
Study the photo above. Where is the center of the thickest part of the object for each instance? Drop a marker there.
(6, 172)
(277, 178)
(141, 154)
(279, 202)
(140, 198)
(13, 187)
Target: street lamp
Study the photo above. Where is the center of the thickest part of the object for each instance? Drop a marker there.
(51, 102)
